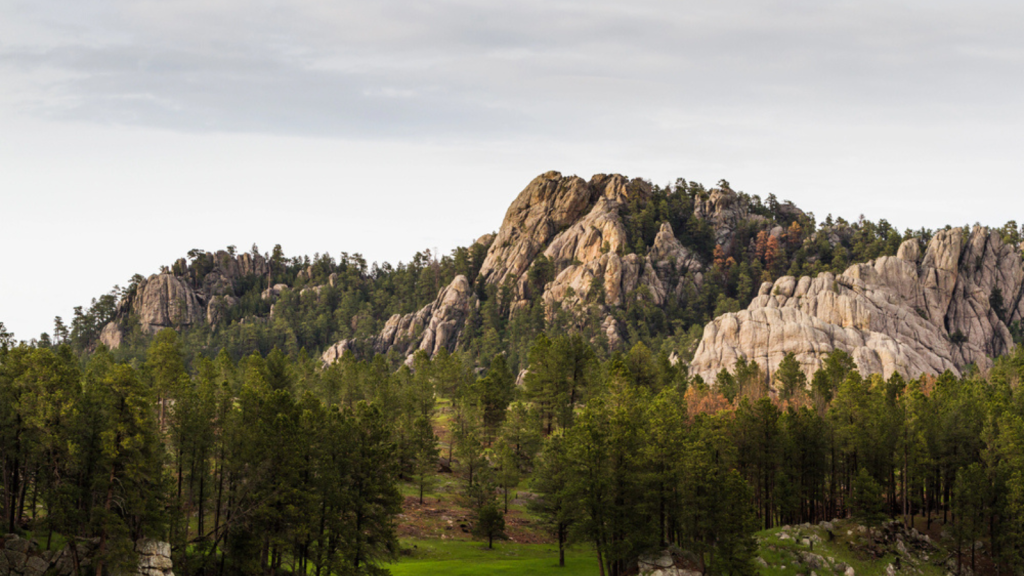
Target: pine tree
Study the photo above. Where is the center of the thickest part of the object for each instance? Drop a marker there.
(790, 376)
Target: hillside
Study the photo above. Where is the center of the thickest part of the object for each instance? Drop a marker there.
(622, 377)
(621, 261)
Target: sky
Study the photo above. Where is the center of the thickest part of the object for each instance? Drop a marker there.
(134, 130)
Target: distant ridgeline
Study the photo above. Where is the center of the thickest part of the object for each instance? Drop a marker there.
(620, 261)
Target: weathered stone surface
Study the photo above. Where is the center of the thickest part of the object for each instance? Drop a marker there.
(111, 335)
(217, 309)
(549, 211)
(892, 315)
(447, 315)
(667, 253)
(610, 326)
(273, 292)
(724, 210)
(437, 325)
(154, 558)
(18, 544)
(155, 562)
(166, 301)
(35, 566)
(15, 559)
(228, 269)
(335, 352)
(150, 547)
(618, 276)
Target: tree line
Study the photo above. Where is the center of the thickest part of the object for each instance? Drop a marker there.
(274, 462)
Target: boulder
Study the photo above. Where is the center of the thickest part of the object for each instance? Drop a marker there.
(154, 557)
(18, 544)
(16, 560)
(35, 566)
(912, 314)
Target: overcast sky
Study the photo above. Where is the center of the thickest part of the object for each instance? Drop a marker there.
(134, 130)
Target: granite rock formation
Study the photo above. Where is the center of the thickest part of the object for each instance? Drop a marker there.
(578, 226)
(436, 325)
(921, 311)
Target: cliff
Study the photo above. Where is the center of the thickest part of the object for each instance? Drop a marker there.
(914, 313)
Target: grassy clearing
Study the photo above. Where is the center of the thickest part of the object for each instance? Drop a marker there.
(466, 558)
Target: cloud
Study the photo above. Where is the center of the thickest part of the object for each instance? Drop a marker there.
(452, 69)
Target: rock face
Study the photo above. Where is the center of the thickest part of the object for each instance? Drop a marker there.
(913, 313)
(111, 335)
(335, 352)
(436, 325)
(154, 558)
(227, 269)
(573, 218)
(165, 301)
(578, 226)
(203, 290)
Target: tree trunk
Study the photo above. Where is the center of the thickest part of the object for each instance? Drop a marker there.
(103, 533)
(12, 494)
(561, 544)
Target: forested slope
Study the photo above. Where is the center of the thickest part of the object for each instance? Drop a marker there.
(621, 261)
(272, 414)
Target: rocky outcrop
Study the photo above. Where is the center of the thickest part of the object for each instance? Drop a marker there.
(669, 255)
(665, 563)
(335, 352)
(22, 557)
(576, 225)
(914, 313)
(186, 294)
(166, 301)
(154, 558)
(111, 335)
(217, 309)
(273, 292)
(228, 269)
(436, 325)
(571, 217)
(724, 210)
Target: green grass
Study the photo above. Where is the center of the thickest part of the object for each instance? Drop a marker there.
(840, 550)
(57, 542)
(472, 558)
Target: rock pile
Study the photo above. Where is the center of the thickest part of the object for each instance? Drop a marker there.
(665, 563)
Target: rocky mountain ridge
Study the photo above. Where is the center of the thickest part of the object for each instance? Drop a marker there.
(919, 312)
(185, 295)
(573, 245)
(577, 226)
